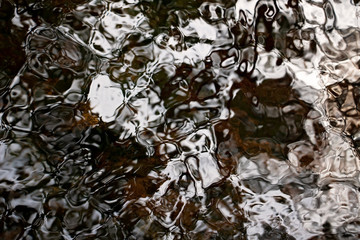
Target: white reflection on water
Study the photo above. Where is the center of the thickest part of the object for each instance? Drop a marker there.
(105, 97)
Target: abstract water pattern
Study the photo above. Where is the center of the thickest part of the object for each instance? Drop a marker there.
(174, 119)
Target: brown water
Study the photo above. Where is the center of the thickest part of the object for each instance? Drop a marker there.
(179, 119)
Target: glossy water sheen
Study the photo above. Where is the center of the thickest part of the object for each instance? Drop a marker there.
(183, 119)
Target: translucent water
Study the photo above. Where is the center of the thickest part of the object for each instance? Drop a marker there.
(179, 119)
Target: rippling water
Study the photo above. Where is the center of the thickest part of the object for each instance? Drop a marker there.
(179, 119)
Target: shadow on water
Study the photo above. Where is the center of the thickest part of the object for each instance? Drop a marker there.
(179, 119)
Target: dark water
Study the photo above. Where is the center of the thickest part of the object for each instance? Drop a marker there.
(179, 119)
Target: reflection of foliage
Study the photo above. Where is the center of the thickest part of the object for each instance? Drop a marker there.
(278, 113)
(11, 37)
(162, 14)
(50, 11)
(88, 118)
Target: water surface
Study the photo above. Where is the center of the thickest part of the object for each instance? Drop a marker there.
(179, 119)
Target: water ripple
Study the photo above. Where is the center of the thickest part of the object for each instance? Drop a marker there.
(179, 119)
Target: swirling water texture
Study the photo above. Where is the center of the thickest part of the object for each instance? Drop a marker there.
(179, 119)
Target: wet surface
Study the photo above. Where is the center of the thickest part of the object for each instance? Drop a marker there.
(179, 119)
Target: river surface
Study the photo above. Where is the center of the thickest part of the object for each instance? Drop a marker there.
(179, 119)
